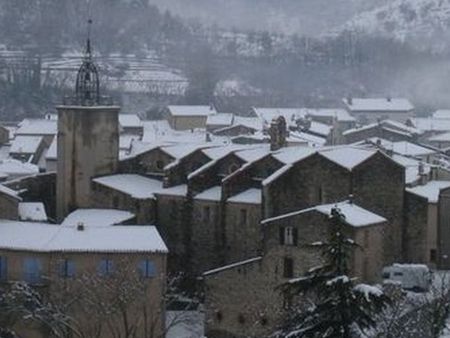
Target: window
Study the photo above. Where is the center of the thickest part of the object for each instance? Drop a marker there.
(206, 214)
(243, 217)
(159, 165)
(32, 270)
(433, 255)
(105, 267)
(3, 268)
(147, 268)
(66, 268)
(288, 267)
(288, 236)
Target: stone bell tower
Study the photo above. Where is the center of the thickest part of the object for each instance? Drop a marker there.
(88, 139)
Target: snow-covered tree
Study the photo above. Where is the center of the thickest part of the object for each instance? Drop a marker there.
(327, 302)
(21, 305)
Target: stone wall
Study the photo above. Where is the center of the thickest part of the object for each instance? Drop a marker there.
(415, 234)
(378, 186)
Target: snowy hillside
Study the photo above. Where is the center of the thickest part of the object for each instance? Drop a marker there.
(424, 22)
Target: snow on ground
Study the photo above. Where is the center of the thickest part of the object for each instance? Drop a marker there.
(185, 324)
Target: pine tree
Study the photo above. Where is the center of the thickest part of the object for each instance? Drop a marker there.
(339, 307)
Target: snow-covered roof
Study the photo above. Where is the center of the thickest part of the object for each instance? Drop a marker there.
(32, 211)
(212, 194)
(222, 119)
(250, 196)
(445, 137)
(312, 140)
(293, 154)
(253, 154)
(378, 104)
(192, 110)
(181, 150)
(130, 121)
(25, 144)
(340, 114)
(14, 167)
(402, 147)
(430, 190)
(179, 190)
(354, 214)
(97, 217)
(37, 127)
(11, 193)
(441, 114)
(249, 122)
(320, 128)
(41, 237)
(431, 124)
(52, 152)
(134, 185)
(347, 156)
(232, 266)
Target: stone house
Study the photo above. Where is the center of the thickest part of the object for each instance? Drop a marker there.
(421, 225)
(383, 130)
(50, 257)
(188, 117)
(334, 174)
(129, 192)
(286, 255)
(369, 110)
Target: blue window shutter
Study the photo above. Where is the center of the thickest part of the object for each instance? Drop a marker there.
(151, 269)
(142, 267)
(32, 270)
(110, 266)
(102, 267)
(62, 268)
(3, 268)
(70, 268)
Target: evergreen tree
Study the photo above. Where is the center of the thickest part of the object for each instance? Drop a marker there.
(339, 308)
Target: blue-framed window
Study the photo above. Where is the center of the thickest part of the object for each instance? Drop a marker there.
(147, 268)
(3, 268)
(32, 270)
(66, 268)
(105, 267)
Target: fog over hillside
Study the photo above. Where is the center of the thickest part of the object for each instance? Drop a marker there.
(311, 17)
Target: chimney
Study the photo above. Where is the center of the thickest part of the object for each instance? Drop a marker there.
(349, 100)
(350, 199)
(80, 226)
(277, 133)
(389, 98)
(423, 177)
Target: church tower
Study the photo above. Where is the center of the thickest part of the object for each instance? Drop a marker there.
(88, 139)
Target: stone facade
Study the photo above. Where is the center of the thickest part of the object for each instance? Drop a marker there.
(86, 264)
(254, 282)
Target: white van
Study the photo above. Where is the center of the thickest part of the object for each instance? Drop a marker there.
(415, 277)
